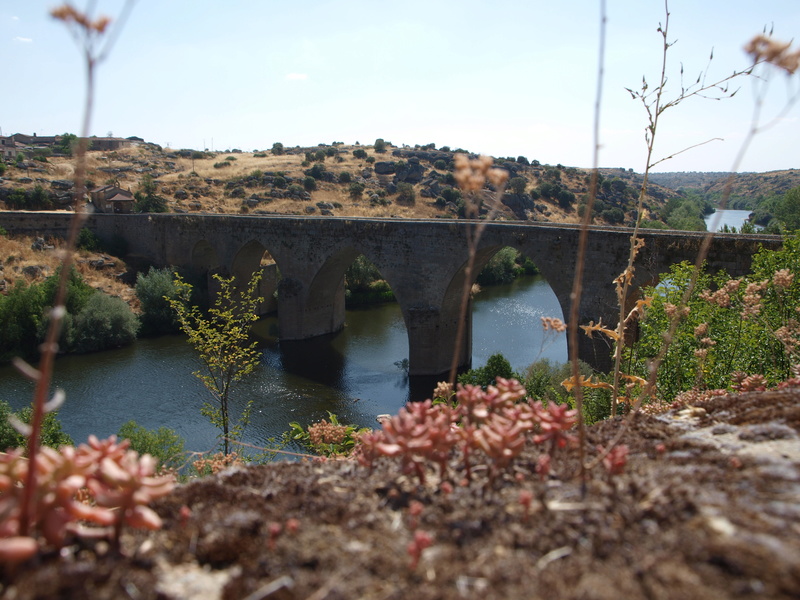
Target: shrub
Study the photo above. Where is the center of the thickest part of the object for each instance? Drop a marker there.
(152, 290)
(296, 190)
(496, 366)
(221, 165)
(747, 325)
(316, 171)
(370, 160)
(405, 193)
(279, 182)
(230, 158)
(360, 153)
(440, 165)
(105, 322)
(259, 155)
(345, 177)
(309, 183)
(2, 168)
(451, 194)
(87, 240)
(613, 215)
(356, 189)
(52, 434)
(21, 309)
(380, 146)
(517, 185)
(277, 149)
(163, 444)
(522, 160)
(566, 199)
(501, 268)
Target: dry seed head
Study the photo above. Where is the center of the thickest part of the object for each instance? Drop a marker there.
(766, 49)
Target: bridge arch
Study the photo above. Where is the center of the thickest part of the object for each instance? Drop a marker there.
(251, 257)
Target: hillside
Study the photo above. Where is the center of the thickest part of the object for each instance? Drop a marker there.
(747, 189)
(327, 179)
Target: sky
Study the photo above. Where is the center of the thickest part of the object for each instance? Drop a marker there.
(504, 78)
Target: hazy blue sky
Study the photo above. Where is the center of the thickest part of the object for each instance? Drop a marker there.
(507, 78)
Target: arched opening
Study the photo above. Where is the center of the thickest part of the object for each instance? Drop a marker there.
(511, 307)
(205, 263)
(251, 257)
(361, 347)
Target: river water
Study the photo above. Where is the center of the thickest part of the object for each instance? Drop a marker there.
(356, 373)
(732, 218)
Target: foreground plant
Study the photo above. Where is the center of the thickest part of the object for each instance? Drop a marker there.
(102, 483)
(222, 340)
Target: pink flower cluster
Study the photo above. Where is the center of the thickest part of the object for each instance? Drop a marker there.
(120, 484)
(493, 425)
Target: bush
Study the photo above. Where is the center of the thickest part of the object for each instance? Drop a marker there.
(21, 309)
(105, 322)
(496, 366)
(356, 189)
(517, 185)
(2, 168)
(380, 146)
(501, 268)
(316, 171)
(522, 160)
(230, 158)
(566, 199)
(87, 240)
(748, 325)
(279, 182)
(52, 434)
(259, 155)
(296, 190)
(221, 165)
(345, 177)
(405, 193)
(451, 194)
(277, 149)
(309, 183)
(440, 165)
(163, 444)
(360, 153)
(153, 289)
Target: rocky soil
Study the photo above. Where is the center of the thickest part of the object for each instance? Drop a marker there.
(708, 507)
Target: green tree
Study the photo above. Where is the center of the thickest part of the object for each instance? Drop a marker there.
(222, 340)
(496, 366)
(405, 193)
(360, 153)
(67, 144)
(788, 209)
(517, 185)
(163, 443)
(105, 322)
(277, 149)
(153, 290)
(147, 198)
(356, 189)
(380, 146)
(52, 434)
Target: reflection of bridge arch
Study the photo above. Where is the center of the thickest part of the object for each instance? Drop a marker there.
(422, 261)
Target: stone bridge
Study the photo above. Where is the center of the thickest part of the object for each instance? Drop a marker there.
(424, 262)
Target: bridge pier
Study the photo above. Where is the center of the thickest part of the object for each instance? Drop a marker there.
(300, 317)
(432, 337)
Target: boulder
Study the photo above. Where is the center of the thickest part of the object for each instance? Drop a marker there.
(310, 209)
(519, 204)
(181, 194)
(412, 172)
(384, 168)
(62, 184)
(33, 271)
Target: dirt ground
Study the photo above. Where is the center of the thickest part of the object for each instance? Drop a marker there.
(708, 507)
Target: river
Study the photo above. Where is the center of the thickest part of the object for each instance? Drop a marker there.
(356, 373)
(732, 218)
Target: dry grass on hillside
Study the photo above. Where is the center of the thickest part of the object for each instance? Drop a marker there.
(16, 253)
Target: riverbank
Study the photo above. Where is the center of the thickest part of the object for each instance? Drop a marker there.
(705, 508)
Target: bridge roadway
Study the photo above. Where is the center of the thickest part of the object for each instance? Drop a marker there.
(424, 262)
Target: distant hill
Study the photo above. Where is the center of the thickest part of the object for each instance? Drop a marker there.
(380, 180)
(747, 189)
